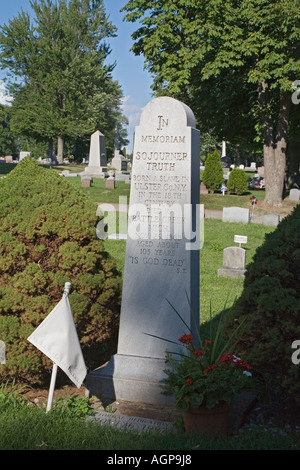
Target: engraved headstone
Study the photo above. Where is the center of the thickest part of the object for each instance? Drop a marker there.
(271, 220)
(97, 166)
(294, 194)
(236, 214)
(119, 162)
(162, 254)
(234, 261)
(86, 181)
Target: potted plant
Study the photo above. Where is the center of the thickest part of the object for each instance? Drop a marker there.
(204, 378)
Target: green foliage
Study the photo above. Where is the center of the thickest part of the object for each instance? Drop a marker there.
(233, 63)
(271, 303)
(8, 142)
(67, 90)
(206, 372)
(72, 406)
(213, 174)
(48, 237)
(237, 182)
(11, 397)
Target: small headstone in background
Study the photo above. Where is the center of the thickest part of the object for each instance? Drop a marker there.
(271, 220)
(294, 194)
(119, 162)
(86, 182)
(23, 155)
(110, 183)
(236, 214)
(234, 262)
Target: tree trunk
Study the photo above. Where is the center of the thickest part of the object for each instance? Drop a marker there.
(60, 149)
(275, 145)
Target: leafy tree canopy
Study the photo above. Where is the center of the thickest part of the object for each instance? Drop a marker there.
(65, 87)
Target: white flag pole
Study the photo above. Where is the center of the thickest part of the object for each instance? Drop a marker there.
(52, 386)
(54, 369)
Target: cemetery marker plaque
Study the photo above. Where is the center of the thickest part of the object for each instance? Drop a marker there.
(162, 254)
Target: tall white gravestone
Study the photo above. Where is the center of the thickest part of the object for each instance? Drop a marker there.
(162, 254)
(97, 166)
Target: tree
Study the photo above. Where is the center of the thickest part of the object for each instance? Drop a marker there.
(237, 181)
(66, 90)
(213, 173)
(240, 56)
(8, 142)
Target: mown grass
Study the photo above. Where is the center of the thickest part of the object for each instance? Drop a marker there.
(214, 290)
(25, 427)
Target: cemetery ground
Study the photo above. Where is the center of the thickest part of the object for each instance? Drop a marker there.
(28, 427)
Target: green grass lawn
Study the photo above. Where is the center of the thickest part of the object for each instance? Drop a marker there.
(99, 193)
(29, 427)
(218, 235)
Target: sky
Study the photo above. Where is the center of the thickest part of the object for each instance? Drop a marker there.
(129, 71)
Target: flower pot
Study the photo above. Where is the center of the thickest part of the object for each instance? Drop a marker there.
(207, 420)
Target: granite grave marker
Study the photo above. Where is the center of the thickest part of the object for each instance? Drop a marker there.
(162, 254)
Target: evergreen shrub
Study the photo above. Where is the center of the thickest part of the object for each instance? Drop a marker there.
(237, 182)
(48, 237)
(212, 175)
(271, 303)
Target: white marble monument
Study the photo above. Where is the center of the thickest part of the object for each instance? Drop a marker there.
(97, 166)
(162, 255)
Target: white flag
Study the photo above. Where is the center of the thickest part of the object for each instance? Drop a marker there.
(57, 338)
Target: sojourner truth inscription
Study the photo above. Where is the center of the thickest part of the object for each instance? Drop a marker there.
(162, 253)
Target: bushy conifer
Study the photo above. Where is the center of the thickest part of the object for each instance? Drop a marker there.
(48, 237)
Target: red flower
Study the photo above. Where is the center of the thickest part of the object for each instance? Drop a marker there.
(224, 358)
(242, 364)
(212, 367)
(189, 382)
(197, 352)
(186, 339)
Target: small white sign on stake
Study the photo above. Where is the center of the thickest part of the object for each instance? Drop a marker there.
(240, 239)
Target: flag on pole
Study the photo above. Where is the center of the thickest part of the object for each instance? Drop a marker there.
(57, 338)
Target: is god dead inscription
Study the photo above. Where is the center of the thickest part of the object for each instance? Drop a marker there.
(162, 249)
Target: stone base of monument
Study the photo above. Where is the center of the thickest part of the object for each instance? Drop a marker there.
(129, 378)
(95, 171)
(231, 272)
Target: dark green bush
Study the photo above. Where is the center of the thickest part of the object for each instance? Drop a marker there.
(48, 237)
(271, 303)
(213, 173)
(237, 181)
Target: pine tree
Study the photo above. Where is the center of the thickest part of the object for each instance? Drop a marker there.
(213, 173)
